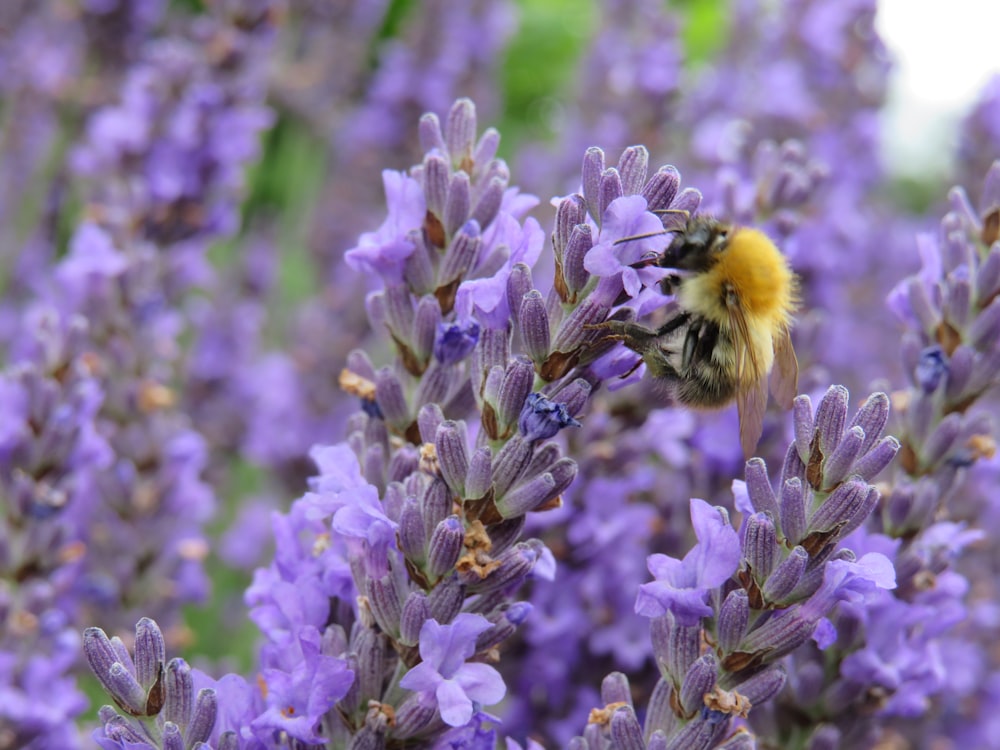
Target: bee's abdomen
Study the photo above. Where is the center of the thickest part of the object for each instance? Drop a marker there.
(706, 385)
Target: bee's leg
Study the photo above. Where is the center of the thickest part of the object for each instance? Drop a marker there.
(648, 343)
(673, 324)
(639, 338)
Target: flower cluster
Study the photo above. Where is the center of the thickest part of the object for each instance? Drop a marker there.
(51, 457)
(724, 616)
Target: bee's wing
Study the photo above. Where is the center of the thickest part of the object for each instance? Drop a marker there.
(751, 382)
(785, 376)
(751, 402)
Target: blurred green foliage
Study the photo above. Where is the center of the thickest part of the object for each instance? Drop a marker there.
(539, 67)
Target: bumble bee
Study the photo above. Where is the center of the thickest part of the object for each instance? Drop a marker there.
(729, 326)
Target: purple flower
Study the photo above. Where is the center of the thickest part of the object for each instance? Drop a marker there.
(486, 293)
(362, 517)
(92, 261)
(383, 251)
(850, 581)
(617, 256)
(541, 418)
(682, 586)
(297, 699)
(453, 342)
(444, 671)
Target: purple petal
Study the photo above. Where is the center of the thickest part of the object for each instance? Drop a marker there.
(482, 683)
(665, 568)
(825, 634)
(741, 498)
(658, 598)
(453, 703)
(717, 554)
(601, 260)
(421, 679)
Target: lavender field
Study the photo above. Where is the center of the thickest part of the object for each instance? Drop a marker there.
(312, 434)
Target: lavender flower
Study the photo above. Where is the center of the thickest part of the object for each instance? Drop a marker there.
(444, 671)
(683, 586)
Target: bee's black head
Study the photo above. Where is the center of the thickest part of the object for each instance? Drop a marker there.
(697, 247)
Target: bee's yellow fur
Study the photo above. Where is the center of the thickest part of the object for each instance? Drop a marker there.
(758, 275)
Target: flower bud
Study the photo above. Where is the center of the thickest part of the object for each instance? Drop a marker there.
(390, 398)
(453, 458)
(699, 680)
(831, 416)
(534, 323)
(580, 242)
(510, 463)
(479, 478)
(793, 510)
(460, 131)
(610, 189)
(383, 598)
(518, 284)
(489, 202)
(150, 653)
(446, 599)
(178, 692)
(414, 713)
(570, 213)
(517, 382)
(435, 180)
(786, 576)
(660, 716)
(435, 506)
(428, 419)
(985, 329)
(593, 166)
(626, 732)
(802, 420)
(659, 192)
(674, 646)
(206, 708)
(759, 488)
(763, 686)
(615, 689)
(416, 611)
(445, 547)
(760, 545)
(457, 211)
(633, 165)
(734, 617)
(172, 738)
(838, 465)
